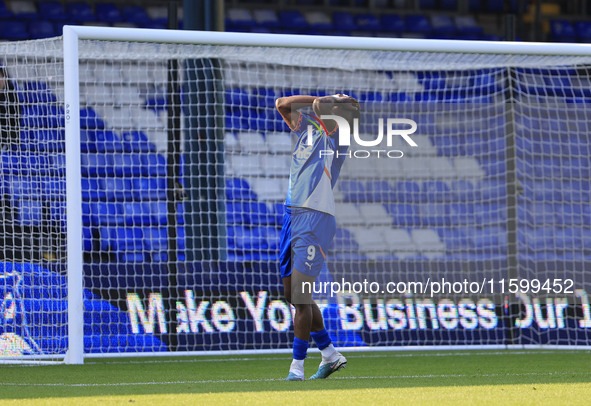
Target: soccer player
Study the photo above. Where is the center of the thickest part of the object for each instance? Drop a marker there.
(309, 224)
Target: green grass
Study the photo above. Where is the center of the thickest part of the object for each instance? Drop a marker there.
(441, 378)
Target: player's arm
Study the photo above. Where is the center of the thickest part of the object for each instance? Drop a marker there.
(288, 107)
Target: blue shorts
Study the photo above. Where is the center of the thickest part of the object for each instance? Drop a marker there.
(305, 239)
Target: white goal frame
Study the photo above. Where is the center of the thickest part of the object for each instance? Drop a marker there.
(71, 36)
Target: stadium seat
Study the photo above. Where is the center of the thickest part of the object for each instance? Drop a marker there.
(434, 214)
(353, 191)
(42, 29)
(89, 119)
(392, 23)
(121, 239)
(270, 189)
(443, 25)
(246, 165)
(276, 164)
(137, 141)
(451, 5)
(4, 11)
(279, 142)
(418, 24)
(24, 10)
(266, 18)
(239, 18)
(400, 243)
(292, 19)
(404, 215)
(107, 141)
(135, 14)
(562, 31)
(437, 191)
(467, 26)
(127, 164)
(14, 30)
(153, 164)
(319, 20)
(104, 213)
(118, 189)
(252, 142)
(239, 189)
(52, 10)
(148, 188)
(107, 12)
(462, 213)
(372, 243)
(29, 212)
(92, 189)
(583, 30)
(80, 12)
(347, 214)
(344, 21)
(344, 241)
(379, 191)
(375, 214)
(428, 243)
(408, 192)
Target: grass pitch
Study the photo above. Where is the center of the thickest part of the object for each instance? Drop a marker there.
(517, 377)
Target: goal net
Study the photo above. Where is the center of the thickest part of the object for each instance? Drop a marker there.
(471, 230)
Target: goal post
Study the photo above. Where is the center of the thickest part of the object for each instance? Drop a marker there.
(477, 237)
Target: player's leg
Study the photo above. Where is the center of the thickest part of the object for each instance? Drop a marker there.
(300, 288)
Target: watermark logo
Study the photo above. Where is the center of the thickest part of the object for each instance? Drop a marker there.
(387, 129)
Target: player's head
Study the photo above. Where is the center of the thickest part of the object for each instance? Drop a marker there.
(340, 105)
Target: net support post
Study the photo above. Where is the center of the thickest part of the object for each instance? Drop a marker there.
(75, 352)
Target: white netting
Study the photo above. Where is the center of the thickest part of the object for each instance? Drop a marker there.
(181, 232)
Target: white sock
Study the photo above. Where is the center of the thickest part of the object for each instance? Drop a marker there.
(297, 367)
(329, 354)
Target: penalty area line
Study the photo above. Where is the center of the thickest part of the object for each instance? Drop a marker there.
(344, 378)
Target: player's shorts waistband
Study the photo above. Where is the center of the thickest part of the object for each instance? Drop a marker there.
(299, 210)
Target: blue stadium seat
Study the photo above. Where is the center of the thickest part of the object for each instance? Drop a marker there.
(462, 214)
(42, 29)
(576, 191)
(404, 214)
(257, 213)
(89, 119)
(562, 31)
(93, 189)
(22, 187)
(121, 239)
(4, 11)
(29, 212)
(448, 5)
(52, 188)
(392, 23)
(149, 188)
(272, 238)
(119, 189)
(353, 191)
(96, 165)
(292, 19)
(87, 239)
(239, 19)
(244, 239)
(156, 239)
(135, 14)
(235, 213)
(236, 97)
(239, 189)
(443, 25)
(104, 213)
(434, 214)
(418, 24)
(344, 241)
(489, 240)
(137, 141)
(367, 22)
(437, 191)
(408, 191)
(427, 4)
(153, 164)
(80, 12)
(14, 30)
(379, 191)
(344, 21)
(573, 214)
(127, 164)
(52, 10)
(583, 30)
(107, 12)
(107, 141)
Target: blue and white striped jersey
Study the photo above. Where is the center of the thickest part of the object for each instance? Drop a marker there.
(315, 166)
